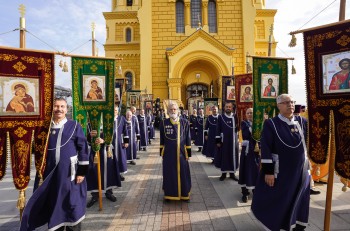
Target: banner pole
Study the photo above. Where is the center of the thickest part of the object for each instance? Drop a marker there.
(331, 150)
(99, 180)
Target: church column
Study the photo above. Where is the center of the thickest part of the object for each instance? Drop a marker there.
(174, 85)
(205, 15)
(187, 16)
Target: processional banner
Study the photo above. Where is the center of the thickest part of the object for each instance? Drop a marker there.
(94, 95)
(270, 79)
(244, 93)
(327, 62)
(26, 96)
(228, 90)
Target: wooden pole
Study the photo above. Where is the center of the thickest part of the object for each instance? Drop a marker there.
(93, 39)
(342, 10)
(22, 27)
(99, 180)
(331, 150)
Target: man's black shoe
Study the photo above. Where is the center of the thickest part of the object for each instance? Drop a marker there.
(233, 177)
(222, 177)
(137, 158)
(245, 199)
(132, 162)
(122, 178)
(91, 202)
(111, 197)
(186, 200)
(314, 192)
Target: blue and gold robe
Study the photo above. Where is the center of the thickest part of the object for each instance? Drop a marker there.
(175, 148)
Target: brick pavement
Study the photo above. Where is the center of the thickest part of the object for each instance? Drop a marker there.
(214, 205)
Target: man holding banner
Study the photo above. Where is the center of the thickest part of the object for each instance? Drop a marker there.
(60, 200)
(282, 193)
(199, 130)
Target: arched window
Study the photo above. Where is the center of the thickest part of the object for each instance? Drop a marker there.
(180, 16)
(128, 35)
(128, 76)
(128, 2)
(212, 19)
(196, 13)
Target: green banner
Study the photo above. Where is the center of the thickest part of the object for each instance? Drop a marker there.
(93, 94)
(270, 79)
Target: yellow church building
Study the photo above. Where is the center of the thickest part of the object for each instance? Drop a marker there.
(180, 49)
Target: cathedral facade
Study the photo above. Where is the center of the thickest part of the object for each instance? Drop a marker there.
(179, 49)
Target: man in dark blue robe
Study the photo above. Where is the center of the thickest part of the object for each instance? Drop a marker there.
(60, 200)
(227, 142)
(199, 130)
(144, 126)
(184, 115)
(120, 142)
(151, 133)
(193, 124)
(282, 192)
(249, 162)
(209, 147)
(134, 137)
(109, 166)
(137, 128)
(175, 149)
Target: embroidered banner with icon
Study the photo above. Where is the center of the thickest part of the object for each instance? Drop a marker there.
(94, 94)
(228, 90)
(327, 62)
(26, 94)
(270, 79)
(244, 93)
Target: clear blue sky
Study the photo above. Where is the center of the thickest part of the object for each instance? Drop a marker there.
(66, 25)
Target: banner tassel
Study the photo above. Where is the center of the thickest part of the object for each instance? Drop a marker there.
(96, 158)
(293, 70)
(109, 152)
(293, 41)
(345, 186)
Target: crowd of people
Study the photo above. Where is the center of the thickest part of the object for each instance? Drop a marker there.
(274, 171)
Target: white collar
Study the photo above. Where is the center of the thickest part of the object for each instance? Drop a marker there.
(229, 116)
(216, 116)
(59, 124)
(286, 120)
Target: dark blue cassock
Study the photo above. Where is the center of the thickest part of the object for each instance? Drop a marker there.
(183, 116)
(151, 127)
(249, 162)
(283, 153)
(120, 136)
(226, 134)
(59, 201)
(193, 125)
(133, 131)
(175, 148)
(210, 148)
(137, 130)
(199, 131)
(143, 125)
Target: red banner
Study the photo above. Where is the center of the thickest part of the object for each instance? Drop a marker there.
(26, 93)
(327, 62)
(244, 93)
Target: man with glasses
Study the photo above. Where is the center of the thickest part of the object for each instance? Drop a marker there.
(282, 192)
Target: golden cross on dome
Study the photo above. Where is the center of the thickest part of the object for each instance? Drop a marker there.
(22, 10)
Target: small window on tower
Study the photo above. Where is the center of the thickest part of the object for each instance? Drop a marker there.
(128, 2)
(128, 35)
